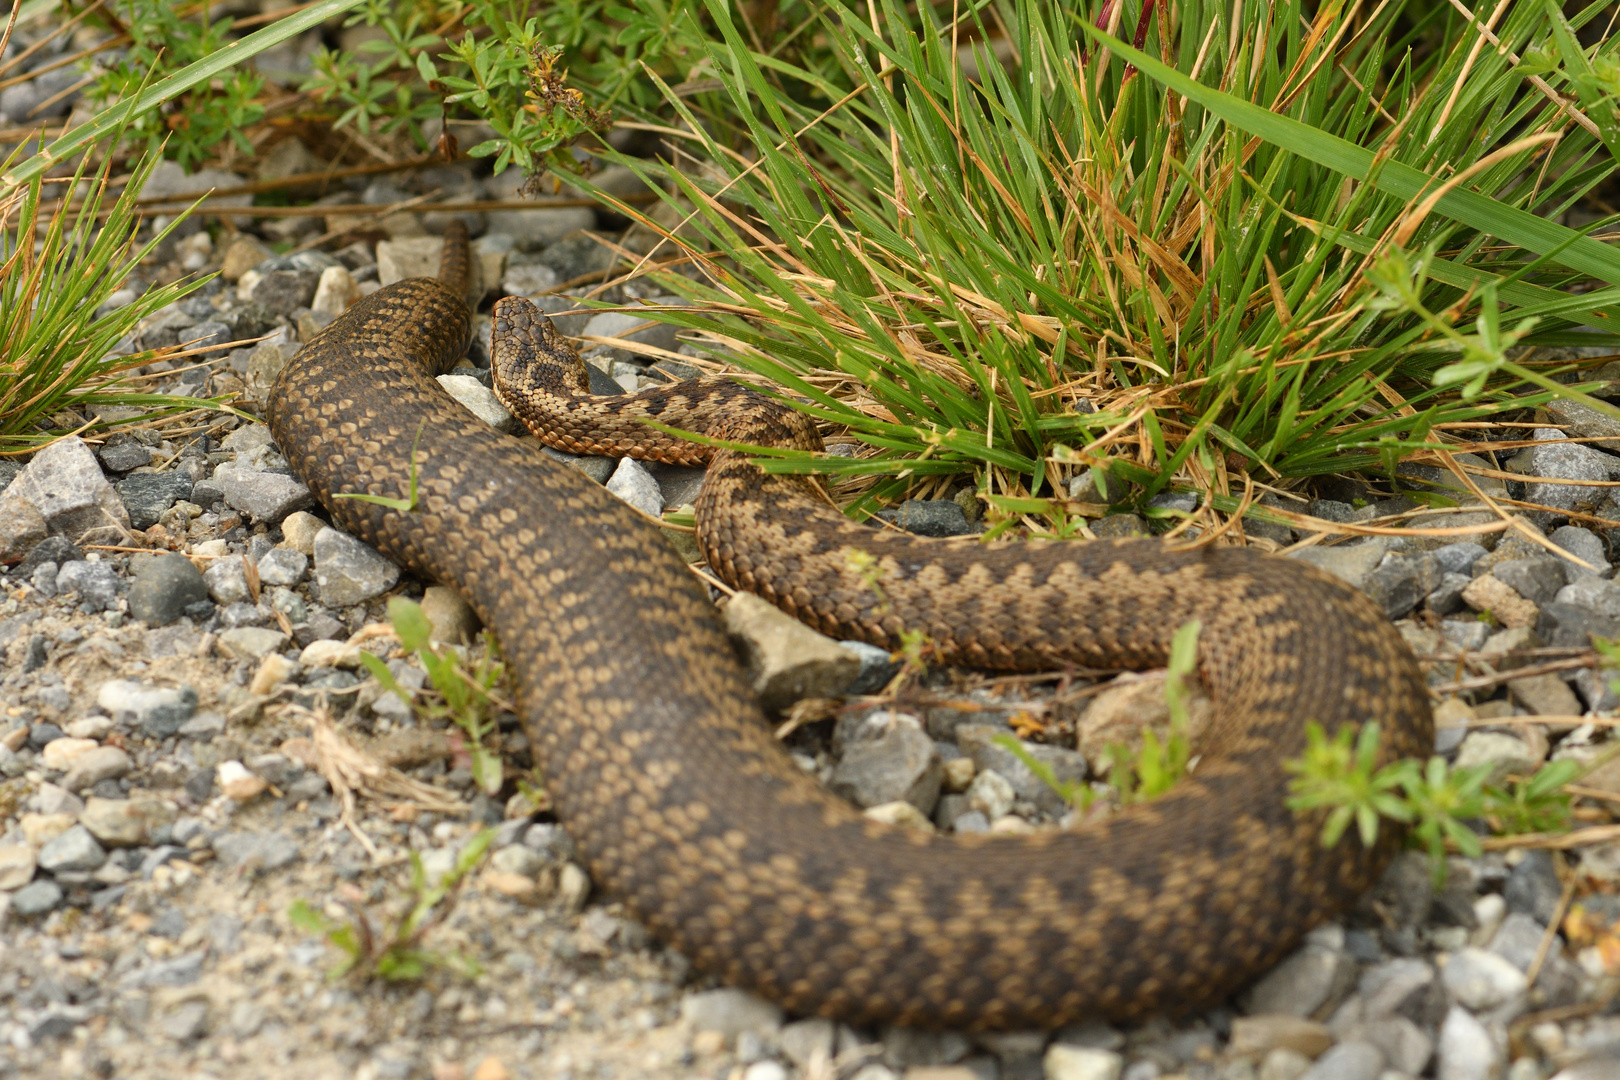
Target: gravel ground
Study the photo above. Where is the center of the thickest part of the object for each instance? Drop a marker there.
(180, 692)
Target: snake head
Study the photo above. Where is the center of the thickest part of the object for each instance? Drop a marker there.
(527, 352)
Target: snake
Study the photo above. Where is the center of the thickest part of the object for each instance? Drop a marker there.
(660, 763)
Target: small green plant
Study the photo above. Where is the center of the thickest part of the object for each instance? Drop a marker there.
(397, 955)
(1154, 767)
(466, 695)
(1437, 801)
(405, 505)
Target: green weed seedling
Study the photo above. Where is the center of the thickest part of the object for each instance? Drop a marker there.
(1435, 800)
(1155, 766)
(397, 955)
(405, 505)
(466, 695)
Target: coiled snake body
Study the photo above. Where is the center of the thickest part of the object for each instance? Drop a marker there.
(661, 767)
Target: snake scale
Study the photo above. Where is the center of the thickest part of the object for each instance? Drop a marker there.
(661, 766)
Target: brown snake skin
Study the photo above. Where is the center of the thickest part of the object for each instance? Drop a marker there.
(662, 768)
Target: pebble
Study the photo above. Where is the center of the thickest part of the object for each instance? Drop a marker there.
(730, 1012)
(17, 864)
(481, 401)
(119, 823)
(227, 581)
(1504, 753)
(22, 526)
(636, 486)
(1350, 563)
(60, 753)
(1401, 581)
(335, 292)
(96, 584)
(804, 1041)
(238, 783)
(899, 813)
(348, 571)
(166, 587)
(454, 622)
(1492, 594)
(256, 851)
(1482, 980)
(1599, 595)
(1536, 579)
(900, 765)
(281, 292)
(91, 768)
(37, 898)
(539, 228)
(929, 517)
(298, 531)
(65, 484)
(250, 643)
(1545, 695)
(573, 887)
(283, 566)
(1562, 461)
(787, 661)
(1466, 1049)
(1064, 1062)
(147, 495)
(1352, 1060)
(158, 710)
(991, 794)
(1260, 1034)
(74, 849)
(979, 742)
(1301, 984)
(1533, 887)
(264, 496)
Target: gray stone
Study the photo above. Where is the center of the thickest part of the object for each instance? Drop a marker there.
(1405, 1046)
(186, 1022)
(1350, 563)
(1518, 941)
(73, 850)
(183, 970)
(679, 484)
(36, 898)
(283, 292)
(1533, 887)
(526, 279)
(57, 1022)
(1562, 461)
(929, 517)
(730, 1012)
(94, 766)
(635, 485)
(1585, 544)
(597, 469)
(900, 765)
(786, 660)
(877, 668)
(1505, 753)
(1537, 580)
(1353, 1060)
(1401, 581)
(990, 794)
(65, 484)
(95, 582)
(22, 527)
(283, 566)
(1482, 980)
(542, 227)
(1447, 597)
(147, 495)
(1545, 695)
(1458, 558)
(164, 588)
(264, 496)
(1303, 984)
(1566, 626)
(631, 326)
(1466, 1049)
(481, 401)
(1598, 595)
(978, 741)
(227, 581)
(250, 643)
(120, 823)
(348, 571)
(1581, 421)
(1405, 986)
(158, 710)
(123, 452)
(256, 851)
(804, 1041)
